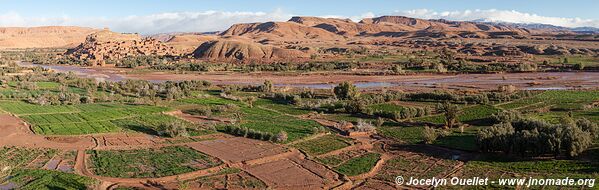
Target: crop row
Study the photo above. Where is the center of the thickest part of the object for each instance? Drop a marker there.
(76, 128)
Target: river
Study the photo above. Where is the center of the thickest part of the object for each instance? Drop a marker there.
(530, 81)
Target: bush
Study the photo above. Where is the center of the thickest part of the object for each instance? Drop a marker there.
(174, 129)
(249, 133)
(346, 91)
(281, 137)
(363, 126)
(535, 137)
(201, 111)
(506, 116)
(430, 135)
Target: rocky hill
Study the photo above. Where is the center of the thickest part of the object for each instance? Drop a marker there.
(239, 49)
(43, 37)
(106, 45)
(302, 37)
(326, 29)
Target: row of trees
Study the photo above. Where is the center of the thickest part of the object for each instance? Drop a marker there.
(254, 134)
(528, 137)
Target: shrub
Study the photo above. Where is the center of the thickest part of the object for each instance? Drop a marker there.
(379, 122)
(363, 126)
(535, 137)
(430, 135)
(249, 133)
(5, 171)
(281, 137)
(506, 116)
(451, 112)
(173, 129)
(346, 91)
(266, 87)
(201, 111)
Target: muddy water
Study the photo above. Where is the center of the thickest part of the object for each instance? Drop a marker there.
(531, 81)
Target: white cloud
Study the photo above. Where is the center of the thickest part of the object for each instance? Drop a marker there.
(205, 21)
(493, 15)
(353, 18)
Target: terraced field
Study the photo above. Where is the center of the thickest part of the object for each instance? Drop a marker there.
(265, 120)
(76, 119)
(550, 98)
(475, 115)
(324, 144)
(159, 162)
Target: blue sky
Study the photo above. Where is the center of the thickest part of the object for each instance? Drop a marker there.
(170, 15)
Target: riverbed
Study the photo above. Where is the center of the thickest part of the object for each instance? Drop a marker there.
(326, 80)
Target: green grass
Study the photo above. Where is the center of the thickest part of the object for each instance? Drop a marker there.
(50, 180)
(282, 108)
(458, 140)
(573, 59)
(556, 97)
(151, 123)
(77, 119)
(545, 168)
(410, 135)
(166, 161)
(348, 117)
(17, 157)
(386, 107)
(265, 120)
(359, 165)
(475, 115)
(323, 144)
(22, 108)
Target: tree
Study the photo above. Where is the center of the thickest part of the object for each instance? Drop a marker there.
(589, 127)
(528, 137)
(5, 171)
(267, 86)
(281, 136)
(506, 116)
(346, 91)
(430, 135)
(579, 66)
(379, 122)
(250, 101)
(440, 68)
(173, 129)
(363, 126)
(575, 140)
(451, 112)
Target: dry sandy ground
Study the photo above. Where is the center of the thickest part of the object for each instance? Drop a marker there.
(533, 81)
(326, 80)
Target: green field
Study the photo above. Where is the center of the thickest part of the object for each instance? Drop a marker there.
(23, 157)
(359, 165)
(386, 107)
(323, 144)
(282, 108)
(573, 169)
(77, 119)
(50, 180)
(409, 135)
(143, 163)
(572, 59)
(265, 120)
(556, 97)
(474, 115)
